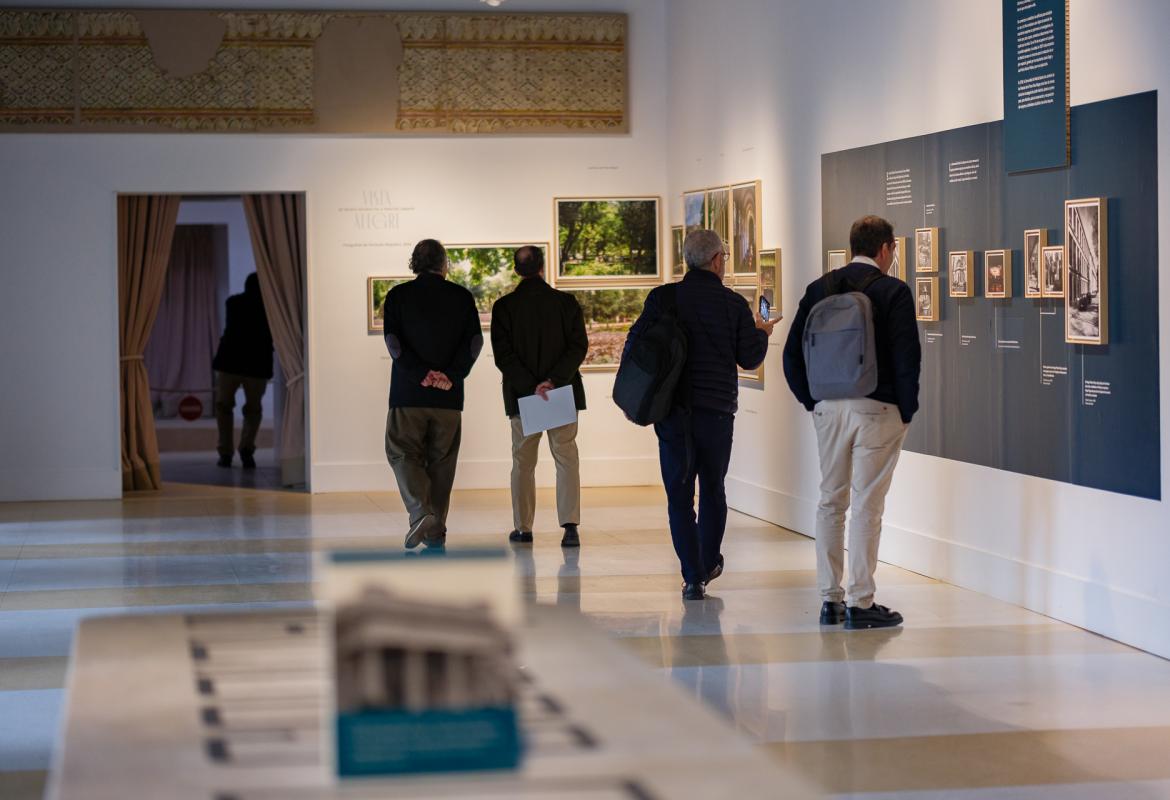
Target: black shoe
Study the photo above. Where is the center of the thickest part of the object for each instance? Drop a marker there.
(520, 537)
(224, 461)
(715, 573)
(436, 542)
(247, 461)
(873, 617)
(571, 537)
(693, 591)
(832, 613)
(422, 528)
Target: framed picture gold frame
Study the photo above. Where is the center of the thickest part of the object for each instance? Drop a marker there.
(376, 288)
(678, 266)
(1086, 271)
(1035, 240)
(925, 250)
(746, 227)
(961, 273)
(926, 299)
(1052, 277)
(496, 271)
(899, 268)
(751, 293)
(835, 259)
(694, 210)
(609, 312)
(997, 274)
(769, 281)
(717, 212)
(568, 267)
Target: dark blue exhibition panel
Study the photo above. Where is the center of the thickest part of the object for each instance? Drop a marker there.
(1000, 387)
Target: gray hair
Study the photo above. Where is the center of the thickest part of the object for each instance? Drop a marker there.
(700, 247)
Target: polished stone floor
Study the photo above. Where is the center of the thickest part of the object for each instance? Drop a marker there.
(973, 698)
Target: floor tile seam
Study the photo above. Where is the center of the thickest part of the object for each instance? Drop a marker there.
(1008, 730)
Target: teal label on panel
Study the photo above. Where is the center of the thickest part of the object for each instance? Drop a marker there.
(396, 742)
(1035, 84)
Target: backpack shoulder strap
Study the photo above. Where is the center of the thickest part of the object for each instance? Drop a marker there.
(669, 294)
(870, 279)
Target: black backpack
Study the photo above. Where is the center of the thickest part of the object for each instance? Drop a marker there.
(651, 373)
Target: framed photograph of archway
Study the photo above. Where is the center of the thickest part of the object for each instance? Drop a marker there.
(926, 249)
(718, 214)
(376, 290)
(1086, 271)
(926, 299)
(997, 274)
(487, 271)
(1035, 240)
(745, 228)
(1052, 276)
(606, 241)
(960, 273)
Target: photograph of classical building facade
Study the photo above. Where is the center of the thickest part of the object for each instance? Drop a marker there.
(393, 653)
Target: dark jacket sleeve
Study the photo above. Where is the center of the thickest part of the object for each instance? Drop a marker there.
(795, 370)
(516, 375)
(576, 345)
(470, 342)
(650, 312)
(751, 343)
(404, 356)
(907, 352)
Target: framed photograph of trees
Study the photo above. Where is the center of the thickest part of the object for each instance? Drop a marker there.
(487, 271)
(1086, 271)
(694, 210)
(376, 290)
(608, 313)
(606, 241)
(678, 266)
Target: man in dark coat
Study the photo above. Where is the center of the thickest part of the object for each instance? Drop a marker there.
(539, 342)
(244, 358)
(432, 332)
(724, 334)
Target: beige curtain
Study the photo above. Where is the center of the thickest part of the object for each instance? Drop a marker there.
(277, 225)
(146, 226)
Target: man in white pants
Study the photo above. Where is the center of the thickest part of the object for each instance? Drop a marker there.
(859, 439)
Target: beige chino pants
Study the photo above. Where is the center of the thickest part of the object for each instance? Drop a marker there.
(563, 443)
(859, 442)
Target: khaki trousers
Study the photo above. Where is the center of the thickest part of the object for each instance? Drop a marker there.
(859, 442)
(226, 386)
(422, 446)
(563, 443)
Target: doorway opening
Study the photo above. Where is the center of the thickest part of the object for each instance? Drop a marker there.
(223, 407)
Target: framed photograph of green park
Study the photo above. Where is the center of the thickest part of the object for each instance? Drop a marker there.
(487, 271)
(608, 313)
(606, 241)
(376, 290)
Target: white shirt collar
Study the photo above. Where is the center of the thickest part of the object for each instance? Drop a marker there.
(864, 260)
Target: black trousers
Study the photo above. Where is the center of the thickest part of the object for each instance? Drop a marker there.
(690, 446)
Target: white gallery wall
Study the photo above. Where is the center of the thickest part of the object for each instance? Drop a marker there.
(760, 89)
(59, 430)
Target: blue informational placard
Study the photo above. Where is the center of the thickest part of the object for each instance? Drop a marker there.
(1035, 84)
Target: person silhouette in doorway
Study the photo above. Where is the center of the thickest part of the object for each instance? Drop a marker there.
(243, 359)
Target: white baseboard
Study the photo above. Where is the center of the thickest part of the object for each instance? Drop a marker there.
(489, 474)
(52, 483)
(1107, 610)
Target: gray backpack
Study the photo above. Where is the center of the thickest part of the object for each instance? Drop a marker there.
(839, 353)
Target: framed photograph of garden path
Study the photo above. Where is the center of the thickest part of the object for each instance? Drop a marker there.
(606, 240)
(487, 271)
(376, 290)
(609, 313)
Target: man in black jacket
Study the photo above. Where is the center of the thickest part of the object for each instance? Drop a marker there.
(859, 439)
(432, 332)
(723, 334)
(539, 343)
(244, 358)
